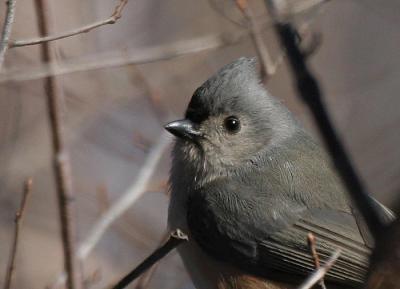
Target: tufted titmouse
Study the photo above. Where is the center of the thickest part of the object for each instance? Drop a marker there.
(248, 184)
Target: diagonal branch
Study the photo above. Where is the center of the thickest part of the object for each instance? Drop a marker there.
(7, 27)
(84, 29)
(18, 222)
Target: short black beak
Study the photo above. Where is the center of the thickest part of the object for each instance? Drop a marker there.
(184, 129)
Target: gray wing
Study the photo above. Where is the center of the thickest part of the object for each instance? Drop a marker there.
(270, 243)
(288, 250)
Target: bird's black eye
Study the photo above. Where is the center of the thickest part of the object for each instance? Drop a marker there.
(232, 124)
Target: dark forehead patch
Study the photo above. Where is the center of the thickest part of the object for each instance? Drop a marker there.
(197, 110)
(205, 103)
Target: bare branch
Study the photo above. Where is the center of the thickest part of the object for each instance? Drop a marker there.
(63, 180)
(84, 29)
(176, 238)
(120, 58)
(123, 203)
(268, 67)
(18, 222)
(7, 28)
(313, 250)
(320, 273)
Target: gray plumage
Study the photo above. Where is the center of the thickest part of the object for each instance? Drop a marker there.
(249, 198)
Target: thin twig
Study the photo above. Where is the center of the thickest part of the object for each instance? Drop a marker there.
(84, 29)
(176, 238)
(63, 180)
(313, 250)
(18, 222)
(320, 273)
(7, 28)
(120, 58)
(268, 67)
(126, 200)
(309, 90)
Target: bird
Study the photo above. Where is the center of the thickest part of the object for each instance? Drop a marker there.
(248, 184)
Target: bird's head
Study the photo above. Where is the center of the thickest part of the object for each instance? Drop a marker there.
(229, 120)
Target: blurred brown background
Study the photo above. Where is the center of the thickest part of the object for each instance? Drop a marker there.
(115, 115)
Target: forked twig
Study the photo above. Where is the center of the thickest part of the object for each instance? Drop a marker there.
(313, 250)
(7, 28)
(18, 222)
(84, 29)
(176, 238)
(319, 274)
